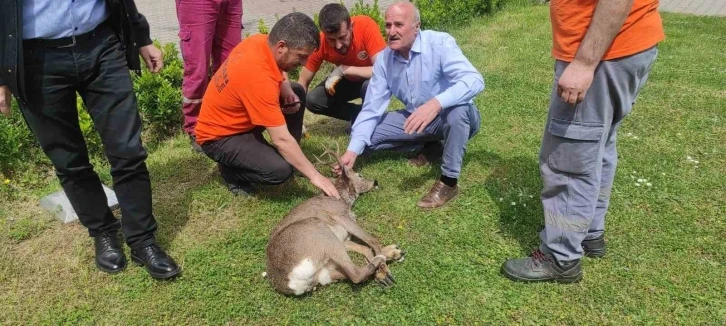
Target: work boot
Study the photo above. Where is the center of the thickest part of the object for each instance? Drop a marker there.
(541, 267)
(594, 248)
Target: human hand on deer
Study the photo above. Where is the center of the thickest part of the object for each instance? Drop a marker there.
(325, 185)
(348, 159)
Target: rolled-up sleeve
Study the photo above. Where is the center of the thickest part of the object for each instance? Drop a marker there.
(466, 81)
(378, 96)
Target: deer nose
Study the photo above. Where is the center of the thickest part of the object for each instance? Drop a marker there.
(375, 183)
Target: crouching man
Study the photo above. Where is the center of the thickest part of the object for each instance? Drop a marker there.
(250, 94)
(426, 71)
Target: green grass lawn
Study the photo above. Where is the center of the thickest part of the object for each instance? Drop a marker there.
(666, 260)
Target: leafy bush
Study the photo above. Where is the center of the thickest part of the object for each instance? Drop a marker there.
(373, 11)
(159, 96)
(443, 14)
(17, 143)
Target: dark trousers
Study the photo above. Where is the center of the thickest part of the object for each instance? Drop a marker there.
(338, 106)
(95, 68)
(248, 158)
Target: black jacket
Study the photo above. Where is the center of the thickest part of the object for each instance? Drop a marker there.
(130, 26)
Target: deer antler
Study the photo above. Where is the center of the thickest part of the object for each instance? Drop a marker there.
(328, 152)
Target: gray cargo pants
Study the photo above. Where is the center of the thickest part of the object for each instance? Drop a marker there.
(578, 155)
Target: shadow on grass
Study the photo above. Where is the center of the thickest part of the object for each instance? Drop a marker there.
(514, 180)
(174, 183)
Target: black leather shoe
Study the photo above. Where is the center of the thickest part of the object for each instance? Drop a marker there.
(594, 248)
(541, 267)
(110, 256)
(157, 262)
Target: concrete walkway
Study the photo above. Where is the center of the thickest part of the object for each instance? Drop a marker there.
(164, 26)
(697, 7)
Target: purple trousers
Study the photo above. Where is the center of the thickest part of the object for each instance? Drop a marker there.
(208, 31)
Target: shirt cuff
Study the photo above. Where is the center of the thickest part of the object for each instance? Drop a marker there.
(357, 146)
(446, 100)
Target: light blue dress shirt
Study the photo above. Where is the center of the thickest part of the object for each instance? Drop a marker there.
(52, 19)
(436, 68)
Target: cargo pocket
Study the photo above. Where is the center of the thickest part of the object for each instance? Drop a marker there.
(574, 146)
(184, 37)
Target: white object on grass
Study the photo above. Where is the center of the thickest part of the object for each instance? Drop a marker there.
(57, 203)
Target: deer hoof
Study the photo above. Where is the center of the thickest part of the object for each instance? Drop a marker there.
(384, 277)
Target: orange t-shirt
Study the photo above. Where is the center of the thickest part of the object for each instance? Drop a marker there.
(243, 94)
(367, 41)
(571, 19)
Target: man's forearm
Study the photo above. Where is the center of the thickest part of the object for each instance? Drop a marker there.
(291, 152)
(606, 23)
(358, 73)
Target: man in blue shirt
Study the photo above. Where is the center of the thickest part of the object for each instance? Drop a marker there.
(426, 71)
(49, 51)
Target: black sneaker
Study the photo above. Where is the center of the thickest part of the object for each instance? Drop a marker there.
(541, 267)
(241, 189)
(594, 248)
(195, 147)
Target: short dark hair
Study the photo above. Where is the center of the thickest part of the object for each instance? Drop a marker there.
(331, 16)
(297, 30)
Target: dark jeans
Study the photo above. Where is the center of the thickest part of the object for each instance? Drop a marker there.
(338, 106)
(96, 69)
(248, 158)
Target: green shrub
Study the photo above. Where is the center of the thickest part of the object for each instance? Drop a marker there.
(373, 11)
(444, 14)
(159, 96)
(17, 143)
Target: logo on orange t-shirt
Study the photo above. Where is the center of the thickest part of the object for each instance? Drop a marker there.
(362, 55)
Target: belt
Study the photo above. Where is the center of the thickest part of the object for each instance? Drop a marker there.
(63, 42)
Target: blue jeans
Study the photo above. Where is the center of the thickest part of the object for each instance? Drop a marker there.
(455, 126)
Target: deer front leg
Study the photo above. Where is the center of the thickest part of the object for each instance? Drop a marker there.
(361, 249)
(392, 252)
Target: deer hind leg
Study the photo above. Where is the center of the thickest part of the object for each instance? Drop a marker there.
(355, 230)
(346, 269)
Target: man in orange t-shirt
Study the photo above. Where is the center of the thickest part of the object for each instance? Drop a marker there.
(352, 44)
(604, 51)
(250, 94)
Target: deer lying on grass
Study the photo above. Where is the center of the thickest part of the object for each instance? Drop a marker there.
(309, 247)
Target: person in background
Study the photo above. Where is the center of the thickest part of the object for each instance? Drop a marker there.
(352, 44)
(208, 31)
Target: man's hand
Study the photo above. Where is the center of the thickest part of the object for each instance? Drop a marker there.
(325, 185)
(422, 116)
(288, 99)
(348, 159)
(335, 77)
(6, 100)
(574, 82)
(153, 57)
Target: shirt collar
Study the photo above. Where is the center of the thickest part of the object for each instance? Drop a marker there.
(415, 48)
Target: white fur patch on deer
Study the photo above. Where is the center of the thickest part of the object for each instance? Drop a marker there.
(302, 277)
